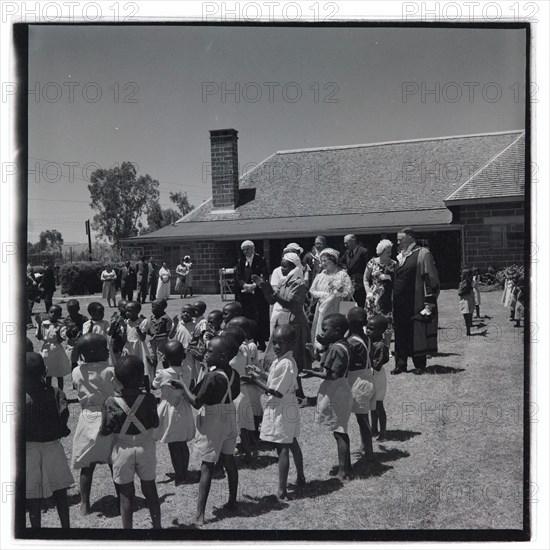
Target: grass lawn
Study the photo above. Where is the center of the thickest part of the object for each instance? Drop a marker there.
(453, 458)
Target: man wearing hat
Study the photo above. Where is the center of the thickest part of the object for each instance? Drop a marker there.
(355, 261)
(255, 306)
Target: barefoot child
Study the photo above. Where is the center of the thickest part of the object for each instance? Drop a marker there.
(467, 300)
(360, 375)
(131, 415)
(158, 328)
(46, 416)
(93, 381)
(379, 356)
(334, 398)
(281, 420)
(52, 332)
(136, 327)
(231, 310)
(183, 326)
(96, 324)
(74, 324)
(117, 329)
(216, 423)
(245, 414)
(176, 422)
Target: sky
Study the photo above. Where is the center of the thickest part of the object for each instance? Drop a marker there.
(150, 94)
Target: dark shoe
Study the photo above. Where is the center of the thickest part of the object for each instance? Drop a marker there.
(398, 370)
(419, 371)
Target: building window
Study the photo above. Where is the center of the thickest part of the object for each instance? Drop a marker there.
(506, 236)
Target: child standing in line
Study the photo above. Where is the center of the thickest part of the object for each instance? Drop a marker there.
(477, 294)
(216, 422)
(281, 421)
(117, 329)
(52, 333)
(334, 398)
(212, 328)
(136, 327)
(250, 354)
(360, 376)
(200, 308)
(183, 327)
(466, 295)
(131, 415)
(158, 328)
(47, 469)
(93, 381)
(231, 310)
(176, 422)
(74, 324)
(96, 324)
(379, 356)
(245, 416)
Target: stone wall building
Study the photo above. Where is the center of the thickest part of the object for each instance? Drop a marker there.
(463, 194)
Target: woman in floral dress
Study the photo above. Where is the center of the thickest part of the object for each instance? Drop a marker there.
(328, 289)
(378, 281)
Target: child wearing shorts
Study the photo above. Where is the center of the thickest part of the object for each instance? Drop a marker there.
(131, 415)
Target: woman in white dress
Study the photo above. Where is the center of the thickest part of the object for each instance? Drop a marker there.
(329, 288)
(108, 276)
(163, 288)
(181, 283)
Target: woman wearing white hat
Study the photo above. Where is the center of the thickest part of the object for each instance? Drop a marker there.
(328, 289)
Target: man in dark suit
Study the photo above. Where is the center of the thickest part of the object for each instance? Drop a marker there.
(142, 272)
(127, 282)
(152, 279)
(251, 297)
(47, 285)
(355, 261)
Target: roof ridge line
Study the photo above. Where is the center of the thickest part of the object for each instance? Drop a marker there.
(193, 211)
(489, 162)
(393, 142)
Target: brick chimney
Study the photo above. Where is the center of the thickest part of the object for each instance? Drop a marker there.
(225, 169)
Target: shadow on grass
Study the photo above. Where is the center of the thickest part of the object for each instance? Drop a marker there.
(193, 476)
(106, 506)
(315, 488)
(390, 455)
(363, 469)
(441, 369)
(257, 507)
(400, 435)
(255, 463)
(443, 354)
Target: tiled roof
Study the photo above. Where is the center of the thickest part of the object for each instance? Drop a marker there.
(355, 180)
(503, 176)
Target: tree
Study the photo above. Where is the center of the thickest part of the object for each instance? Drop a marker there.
(50, 241)
(120, 198)
(158, 217)
(181, 200)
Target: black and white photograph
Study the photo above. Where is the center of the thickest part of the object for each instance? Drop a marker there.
(277, 280)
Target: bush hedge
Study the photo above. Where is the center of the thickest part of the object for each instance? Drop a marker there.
(80, 278)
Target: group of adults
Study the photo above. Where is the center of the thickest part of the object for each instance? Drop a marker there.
(144, 277)
(304, 289)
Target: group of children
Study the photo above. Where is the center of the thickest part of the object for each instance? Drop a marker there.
(513, 295)
(213, 390)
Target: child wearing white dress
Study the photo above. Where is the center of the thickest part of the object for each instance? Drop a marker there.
(183, 327)
(52, 332)
(176, 422)
(94, 382)
(360, 376)
(136, 328)
(334, 399)
(245, 416)
(281, 420)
